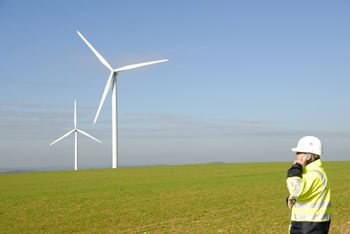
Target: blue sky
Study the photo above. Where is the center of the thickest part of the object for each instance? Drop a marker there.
(244, 82)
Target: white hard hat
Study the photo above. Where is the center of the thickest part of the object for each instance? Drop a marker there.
(309, 144)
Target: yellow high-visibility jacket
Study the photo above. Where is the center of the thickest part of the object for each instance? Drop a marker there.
(309, 186)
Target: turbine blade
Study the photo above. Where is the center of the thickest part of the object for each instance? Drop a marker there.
(67, 134)
(82, 132)
(108, 85)
(138, 65)
(75, 114)
(96, 53)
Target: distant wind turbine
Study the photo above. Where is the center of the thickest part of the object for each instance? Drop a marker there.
(76, 130)
(113, 78)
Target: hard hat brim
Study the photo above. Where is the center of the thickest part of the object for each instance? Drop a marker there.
(298, 150)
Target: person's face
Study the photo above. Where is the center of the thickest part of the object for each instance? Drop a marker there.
(300, 155)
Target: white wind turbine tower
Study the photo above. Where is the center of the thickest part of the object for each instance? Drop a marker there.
(113, 79)
(76, 130)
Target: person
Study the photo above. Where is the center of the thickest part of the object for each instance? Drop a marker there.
(309, 189)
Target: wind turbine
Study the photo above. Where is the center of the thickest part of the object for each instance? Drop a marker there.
(113, 79)
(76, 130)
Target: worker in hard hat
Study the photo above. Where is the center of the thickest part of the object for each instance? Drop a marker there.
(310, 194)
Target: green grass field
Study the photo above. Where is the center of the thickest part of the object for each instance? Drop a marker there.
(210, 198)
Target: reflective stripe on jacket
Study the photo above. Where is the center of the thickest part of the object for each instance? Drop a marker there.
(310, 187)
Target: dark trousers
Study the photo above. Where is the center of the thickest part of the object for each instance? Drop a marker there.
(310, 227)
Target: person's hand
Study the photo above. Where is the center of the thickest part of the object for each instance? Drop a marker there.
(301, 158)
(290, 206)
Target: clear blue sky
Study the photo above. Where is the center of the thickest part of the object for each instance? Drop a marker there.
(244, 82)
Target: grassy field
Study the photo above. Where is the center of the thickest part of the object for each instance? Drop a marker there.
(211, 198)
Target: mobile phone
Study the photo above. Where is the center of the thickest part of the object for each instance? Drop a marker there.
(308, 156)
(292, 201)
